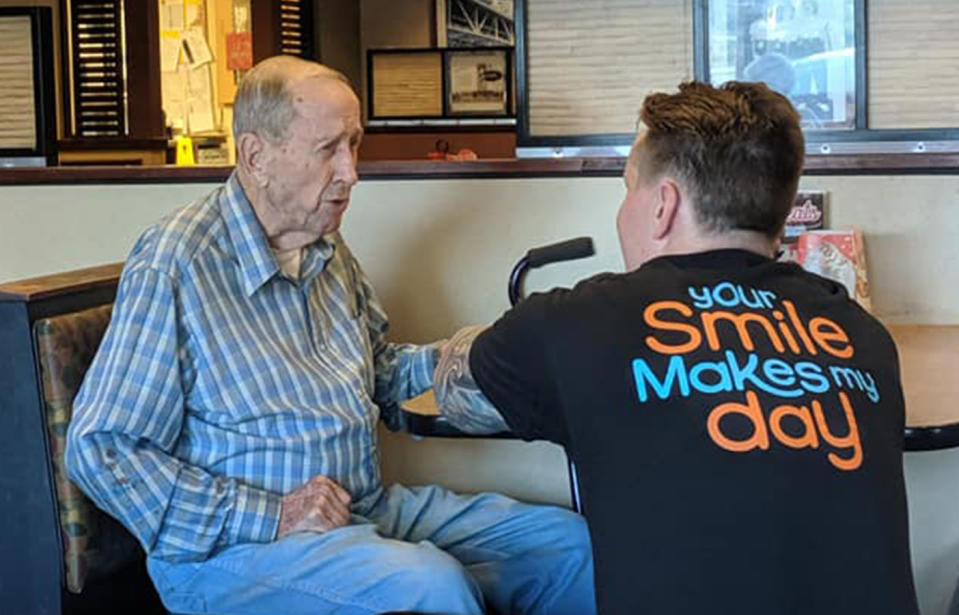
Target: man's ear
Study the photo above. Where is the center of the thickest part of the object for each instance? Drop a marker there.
(251, 156)
(668, 200)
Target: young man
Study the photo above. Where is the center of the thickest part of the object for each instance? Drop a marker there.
(736, 422)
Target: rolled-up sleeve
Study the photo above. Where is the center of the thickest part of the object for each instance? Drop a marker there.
(127, 419)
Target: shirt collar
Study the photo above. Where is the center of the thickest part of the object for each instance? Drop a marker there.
(251, 246)
(714, 259)
(316, 256)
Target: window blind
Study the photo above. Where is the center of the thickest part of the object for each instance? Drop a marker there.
(17, 116)
(296, 28)
(99, 101)
(913, 57)
(590, 64)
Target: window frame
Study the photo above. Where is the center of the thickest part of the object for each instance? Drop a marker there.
(45, 114)
(860, 141)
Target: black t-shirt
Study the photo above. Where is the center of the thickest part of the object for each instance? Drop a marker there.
(737, 425)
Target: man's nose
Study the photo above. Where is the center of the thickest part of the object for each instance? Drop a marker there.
(346, 169)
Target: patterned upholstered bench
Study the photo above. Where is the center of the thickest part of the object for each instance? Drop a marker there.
(58, 552)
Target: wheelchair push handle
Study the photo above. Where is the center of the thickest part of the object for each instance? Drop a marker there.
(571, 249)
(568, 250)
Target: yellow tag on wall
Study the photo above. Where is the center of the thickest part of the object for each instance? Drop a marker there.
(184, 151)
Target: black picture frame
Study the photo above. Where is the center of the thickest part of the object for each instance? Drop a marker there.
(450, 55)
(44, 77)
(489, 22)
(444, 55)
(371, 54)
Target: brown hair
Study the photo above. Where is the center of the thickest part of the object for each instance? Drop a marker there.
(737, 149)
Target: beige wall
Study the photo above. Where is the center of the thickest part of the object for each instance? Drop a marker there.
(439, 253)
(454, 241)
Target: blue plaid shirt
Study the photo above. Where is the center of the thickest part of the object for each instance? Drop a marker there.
(222, 384)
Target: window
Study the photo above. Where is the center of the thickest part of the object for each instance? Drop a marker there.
(28, 128)
(583, 69)
(805, 50)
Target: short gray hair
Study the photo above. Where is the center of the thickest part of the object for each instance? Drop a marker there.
(264, 104)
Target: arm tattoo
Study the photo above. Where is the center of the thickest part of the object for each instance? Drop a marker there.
(457, 395)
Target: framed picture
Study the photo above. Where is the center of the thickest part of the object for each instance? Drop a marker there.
(405, 83)
(475, 23)
(812, 51)
(478, 82)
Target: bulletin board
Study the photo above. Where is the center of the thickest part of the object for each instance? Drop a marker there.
(205, 47)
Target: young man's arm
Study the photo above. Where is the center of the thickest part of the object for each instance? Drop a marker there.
(458, 396)
(499, 379)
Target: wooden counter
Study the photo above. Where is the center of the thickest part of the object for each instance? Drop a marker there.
(831, 164)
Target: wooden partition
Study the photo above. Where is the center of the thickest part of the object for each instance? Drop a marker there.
(35, 579)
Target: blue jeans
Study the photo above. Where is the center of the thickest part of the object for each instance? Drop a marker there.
(421, 549)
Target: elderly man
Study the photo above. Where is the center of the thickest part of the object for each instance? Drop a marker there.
(229, 418)
(737, 422)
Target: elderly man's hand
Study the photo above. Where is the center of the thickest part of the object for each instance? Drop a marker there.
(318, 506)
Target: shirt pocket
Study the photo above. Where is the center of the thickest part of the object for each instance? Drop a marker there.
(356, 349)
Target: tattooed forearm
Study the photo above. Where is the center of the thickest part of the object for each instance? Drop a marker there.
(457, 395)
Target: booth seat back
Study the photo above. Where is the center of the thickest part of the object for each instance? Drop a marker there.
(59, 554)
(95, 546)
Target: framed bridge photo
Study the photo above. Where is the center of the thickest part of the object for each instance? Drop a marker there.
(478, 82)
(475, 23)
